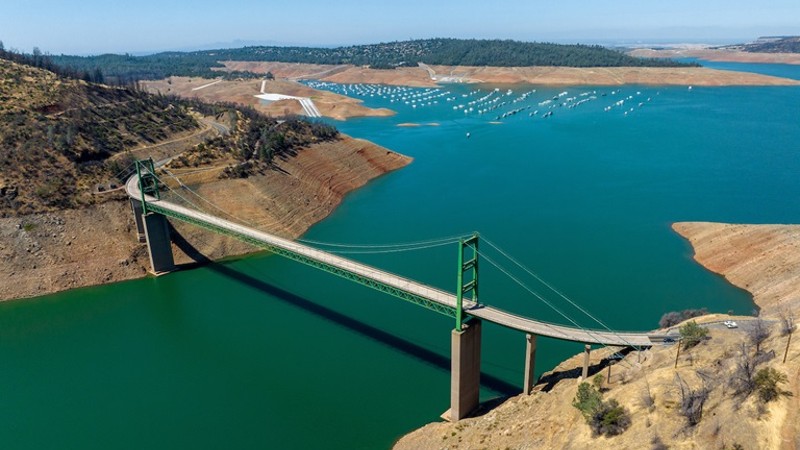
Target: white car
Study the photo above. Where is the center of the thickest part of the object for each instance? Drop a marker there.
(730, 324)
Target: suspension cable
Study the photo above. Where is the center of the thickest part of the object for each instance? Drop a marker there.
(558, 292)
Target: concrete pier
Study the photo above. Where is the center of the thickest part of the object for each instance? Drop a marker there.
(158, 244)
(530, 363)
(138, 211)
(465, 370)
(587, 349)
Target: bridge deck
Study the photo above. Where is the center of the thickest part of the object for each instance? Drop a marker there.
(447, 299)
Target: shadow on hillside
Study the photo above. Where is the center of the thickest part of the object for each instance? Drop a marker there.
(551, 379)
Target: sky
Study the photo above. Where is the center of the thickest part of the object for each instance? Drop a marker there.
(114, 26)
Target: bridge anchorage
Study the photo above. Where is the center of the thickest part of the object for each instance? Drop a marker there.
(151, 213)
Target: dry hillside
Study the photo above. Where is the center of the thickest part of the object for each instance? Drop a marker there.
(56, 135)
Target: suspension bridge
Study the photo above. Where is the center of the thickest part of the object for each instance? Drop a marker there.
(151, 211)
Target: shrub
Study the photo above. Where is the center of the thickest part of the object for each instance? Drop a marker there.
(766, 383)
(675, 317)
(608, 418)
(692, 334)
(597, 381)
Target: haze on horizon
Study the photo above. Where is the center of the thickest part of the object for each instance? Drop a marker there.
(93, 26)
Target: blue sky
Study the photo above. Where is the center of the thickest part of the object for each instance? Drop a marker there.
(95, 26)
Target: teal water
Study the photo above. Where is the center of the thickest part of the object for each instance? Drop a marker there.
(776, 70)
(264, 353)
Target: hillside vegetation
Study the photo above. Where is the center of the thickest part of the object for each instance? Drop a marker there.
(59, 136)
(57, 133)
(459, 52)
(789, 44)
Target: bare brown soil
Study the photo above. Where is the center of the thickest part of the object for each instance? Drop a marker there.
(610, 76)
(244, 91)
(763, 259)
(409, 76)
(720, 55)
(46, 253)
(559, 76)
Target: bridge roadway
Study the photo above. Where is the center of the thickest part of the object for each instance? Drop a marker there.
(488, 313)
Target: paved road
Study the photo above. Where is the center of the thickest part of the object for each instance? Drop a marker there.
(484, 312)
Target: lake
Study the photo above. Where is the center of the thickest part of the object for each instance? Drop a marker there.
(261, 352)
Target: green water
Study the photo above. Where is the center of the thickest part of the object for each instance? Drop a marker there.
(264, 353)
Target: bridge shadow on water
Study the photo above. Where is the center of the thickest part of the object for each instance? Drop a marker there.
(496, 384)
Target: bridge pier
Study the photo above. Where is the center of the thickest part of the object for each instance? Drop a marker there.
(587, 349)
(158, 244)
(530, 364)
(138, 211)
(465, 370)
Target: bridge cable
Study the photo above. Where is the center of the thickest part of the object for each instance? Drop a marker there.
(392, 250)
(589, 332)
(536, 294)
(559, 293)
(446, 239)
(426, 242)
(490, 260)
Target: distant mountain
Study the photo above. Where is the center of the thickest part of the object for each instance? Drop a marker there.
(236, 43)
(457, 52)
(774, 44)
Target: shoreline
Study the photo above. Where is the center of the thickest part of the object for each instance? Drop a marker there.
(720, 55)
(47, 253)
(539, 75)
(243, 92)
(764, 260)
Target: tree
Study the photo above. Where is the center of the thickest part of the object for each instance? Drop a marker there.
(692, 334)
(269, 76)
(97, 77)
(587, 400)
(692, 401)
(758, 333)
(610, 419)
(742, 379)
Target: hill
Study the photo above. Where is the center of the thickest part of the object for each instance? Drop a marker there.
(66, 146)
(62, 137)
(458, 52)
(783, 44)
(57, 134)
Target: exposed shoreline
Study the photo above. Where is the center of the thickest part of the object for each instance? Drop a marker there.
(52, 252)
(243, 92)
(721, 55)
(556, 76)
(762, 259)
